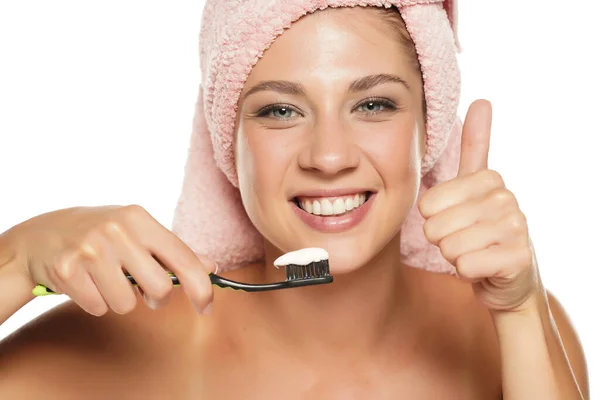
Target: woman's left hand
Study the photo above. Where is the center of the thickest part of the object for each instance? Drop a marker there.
(478, 225)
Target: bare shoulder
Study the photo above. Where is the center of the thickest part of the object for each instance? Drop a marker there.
(67, 353)
(52, 353)
(571, 343)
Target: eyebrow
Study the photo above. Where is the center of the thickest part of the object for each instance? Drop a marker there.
(371, 81)
(293, 88)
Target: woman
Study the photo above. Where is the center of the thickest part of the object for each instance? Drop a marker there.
(346, 103)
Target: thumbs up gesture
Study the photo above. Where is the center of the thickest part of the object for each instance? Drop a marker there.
(478, 225)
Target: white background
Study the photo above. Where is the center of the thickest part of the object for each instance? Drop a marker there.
(96, 101)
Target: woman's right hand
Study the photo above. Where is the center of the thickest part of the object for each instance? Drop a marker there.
(83, 252)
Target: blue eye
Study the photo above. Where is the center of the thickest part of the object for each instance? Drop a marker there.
(371, 106)
(278, 111)
(376, 106)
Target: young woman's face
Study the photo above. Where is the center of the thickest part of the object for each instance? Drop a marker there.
(329, 137)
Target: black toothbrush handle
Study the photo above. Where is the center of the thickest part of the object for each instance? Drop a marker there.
(224, 283)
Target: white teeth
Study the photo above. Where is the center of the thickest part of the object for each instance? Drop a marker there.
(339, 207)
(333, 206)
(326, 207)
(316, 208)
(349, 203)
(307, 205)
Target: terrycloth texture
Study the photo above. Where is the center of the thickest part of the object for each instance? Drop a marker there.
(210, 216)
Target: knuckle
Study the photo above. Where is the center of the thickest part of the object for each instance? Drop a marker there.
(112, 229)
(89, 251)
(501, 198)
(492, 178)
(446, 248)
(204, 292)
(133, 212)
(525, 256)
(206, 299)
(207, 264)
(429, 230)
(65, 269)
(516, 222)
(462, 266)
(162, 288)
(424, 205)
(197, 287)
(91, 247)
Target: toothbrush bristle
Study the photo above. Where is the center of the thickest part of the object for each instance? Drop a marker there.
(317, 269)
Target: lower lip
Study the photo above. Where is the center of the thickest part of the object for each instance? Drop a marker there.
(333, 223)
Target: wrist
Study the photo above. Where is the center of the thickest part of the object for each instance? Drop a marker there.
(15, 283)
(535, 307)
(12, 260)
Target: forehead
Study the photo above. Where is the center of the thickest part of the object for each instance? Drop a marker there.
(347, 40)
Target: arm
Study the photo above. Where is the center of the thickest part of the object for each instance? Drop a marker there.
(15, 284)
(480, 228)
(541, 355)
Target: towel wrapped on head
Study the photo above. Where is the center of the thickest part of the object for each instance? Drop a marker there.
(210, 216)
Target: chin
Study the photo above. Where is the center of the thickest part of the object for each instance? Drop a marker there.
(342, 261)
(347, 255)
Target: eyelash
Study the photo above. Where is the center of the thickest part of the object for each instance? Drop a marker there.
(387, 105)
(264, 112)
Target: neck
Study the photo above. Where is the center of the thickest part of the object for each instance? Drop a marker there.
(362, 312)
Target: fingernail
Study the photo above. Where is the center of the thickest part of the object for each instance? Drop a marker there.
(208, 309)
(153, 304)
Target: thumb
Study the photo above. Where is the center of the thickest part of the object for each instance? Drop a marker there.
(475, 143)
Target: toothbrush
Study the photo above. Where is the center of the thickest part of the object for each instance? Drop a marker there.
(305, 267)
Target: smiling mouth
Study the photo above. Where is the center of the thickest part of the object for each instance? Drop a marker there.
(332, 206)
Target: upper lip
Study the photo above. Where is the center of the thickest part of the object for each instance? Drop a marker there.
(330, 192)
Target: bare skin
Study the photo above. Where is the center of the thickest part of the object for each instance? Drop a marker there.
(381, 331)
(174, 352)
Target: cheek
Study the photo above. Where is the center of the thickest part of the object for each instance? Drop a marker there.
(264, 156)
(396, 153)
(260, 165)
(244, 162)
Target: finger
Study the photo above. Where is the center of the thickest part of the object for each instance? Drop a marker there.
(197, 285)
(149, 301)
(87, 295)
(75, 281)
(176, 256)
(475, 143)
(149, 275)
(509, 229)
(492, 207)
(494, 262)
(474, 238)
(105, 268)
(457, 191)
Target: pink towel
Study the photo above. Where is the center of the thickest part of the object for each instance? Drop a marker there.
(210, 216)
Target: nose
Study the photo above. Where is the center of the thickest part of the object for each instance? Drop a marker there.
(331, 150)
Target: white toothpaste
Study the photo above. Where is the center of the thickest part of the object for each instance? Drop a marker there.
(302, 257)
